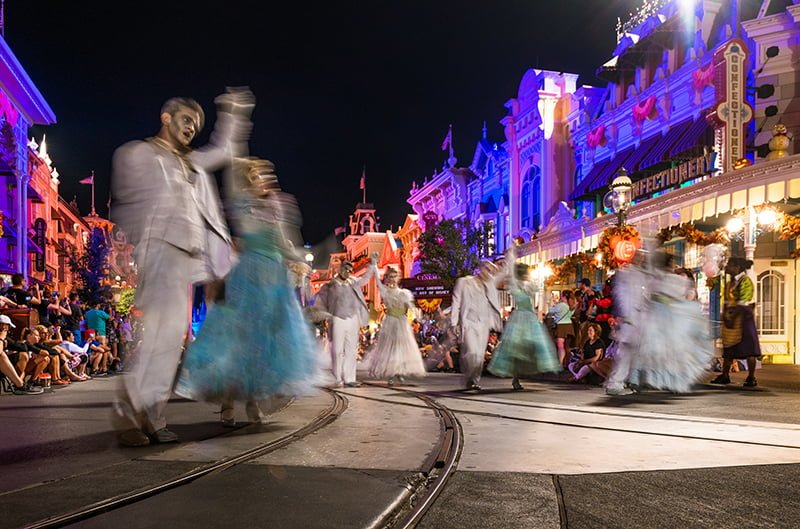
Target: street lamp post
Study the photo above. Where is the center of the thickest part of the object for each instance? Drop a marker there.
(621, 188)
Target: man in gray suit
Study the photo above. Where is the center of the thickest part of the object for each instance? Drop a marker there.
(474, 313)
(343, 300)
(165, 200)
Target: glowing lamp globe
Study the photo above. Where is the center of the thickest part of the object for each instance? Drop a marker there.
(768, 217)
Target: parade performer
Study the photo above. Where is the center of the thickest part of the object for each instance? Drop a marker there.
(342, 299)
(525, 347)
(165, 199)
(395, 354)
(661, 361)
(739, 334)
(475, 312)
(630, 296)
(256, 345)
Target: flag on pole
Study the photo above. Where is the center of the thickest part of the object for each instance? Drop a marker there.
(88, 180)
(448, 140)
(363, 184)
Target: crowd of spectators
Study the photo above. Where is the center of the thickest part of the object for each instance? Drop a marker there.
(68, 345)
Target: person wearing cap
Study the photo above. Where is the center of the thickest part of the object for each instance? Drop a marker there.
(342, 298)
(475, 312)
(7, 364)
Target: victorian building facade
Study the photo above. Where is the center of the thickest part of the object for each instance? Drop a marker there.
(39, 229)
(694, 91)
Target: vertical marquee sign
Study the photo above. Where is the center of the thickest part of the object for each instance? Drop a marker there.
(40, 239)
(732, 111)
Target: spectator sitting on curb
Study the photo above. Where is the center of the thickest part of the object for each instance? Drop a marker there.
(39, 359)
(82, 354)
(6, 365)
(99, 354)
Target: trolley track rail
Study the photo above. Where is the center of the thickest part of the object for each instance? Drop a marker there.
(337, 407)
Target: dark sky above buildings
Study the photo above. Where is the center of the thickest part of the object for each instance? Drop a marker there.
(339, 84)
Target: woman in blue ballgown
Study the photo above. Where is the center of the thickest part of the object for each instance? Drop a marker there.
(255, 346)
(525, 347)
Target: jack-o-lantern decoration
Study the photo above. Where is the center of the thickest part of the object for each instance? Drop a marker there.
(624, 250)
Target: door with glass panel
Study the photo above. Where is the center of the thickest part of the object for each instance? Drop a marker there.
(775, 312)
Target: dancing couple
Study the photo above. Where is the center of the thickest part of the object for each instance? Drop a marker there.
(165, 199)
(525, 348)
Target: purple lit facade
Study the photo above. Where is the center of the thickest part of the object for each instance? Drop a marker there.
(679, 110)
(22, 106)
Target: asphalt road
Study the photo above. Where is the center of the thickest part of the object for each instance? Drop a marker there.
(555, 455)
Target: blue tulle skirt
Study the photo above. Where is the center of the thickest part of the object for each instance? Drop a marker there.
(257, 343)
(525, 348)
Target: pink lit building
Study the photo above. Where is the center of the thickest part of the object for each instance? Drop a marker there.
(694, 90)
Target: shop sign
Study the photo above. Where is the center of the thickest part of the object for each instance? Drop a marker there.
(426, 289)
(674, 176)
(40, 239)
(732, 112)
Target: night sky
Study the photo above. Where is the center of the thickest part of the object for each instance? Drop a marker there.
(339, 84)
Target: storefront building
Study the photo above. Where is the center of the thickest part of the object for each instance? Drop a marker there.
(699, 111)
(21, 106)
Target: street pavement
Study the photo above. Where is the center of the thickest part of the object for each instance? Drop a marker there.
(555, 455)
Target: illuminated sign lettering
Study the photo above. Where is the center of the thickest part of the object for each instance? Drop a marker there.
(674, 176)
(732, 112)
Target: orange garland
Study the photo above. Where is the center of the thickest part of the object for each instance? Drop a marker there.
(569, 266)
(790, 229)
(693, 235)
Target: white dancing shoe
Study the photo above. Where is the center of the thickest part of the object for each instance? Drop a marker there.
(255, 414)
(619, 391)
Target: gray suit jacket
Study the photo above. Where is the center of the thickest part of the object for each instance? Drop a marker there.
(476, 302)
(333, 297)
(157, 195)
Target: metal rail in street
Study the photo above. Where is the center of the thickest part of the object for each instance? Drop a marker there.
(337, 407)
(442, 463)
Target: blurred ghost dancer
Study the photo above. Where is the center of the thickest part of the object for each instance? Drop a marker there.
(255, 347)
(165, 199)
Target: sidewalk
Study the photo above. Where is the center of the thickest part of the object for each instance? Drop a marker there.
(776, 377)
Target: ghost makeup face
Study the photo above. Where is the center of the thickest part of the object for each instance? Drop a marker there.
(345, 269)
(180, 127)
(261, 179)
(390, 279)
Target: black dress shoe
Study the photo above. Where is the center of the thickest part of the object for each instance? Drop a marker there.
(132, 438)
(475, 387)
(750, 382)
(721, 379)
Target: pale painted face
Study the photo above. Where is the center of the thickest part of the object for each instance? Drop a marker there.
(485, 272)
(345, 270)
(182, 127)
(391, 278)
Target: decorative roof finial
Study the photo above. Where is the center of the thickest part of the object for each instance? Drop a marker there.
(484, 129)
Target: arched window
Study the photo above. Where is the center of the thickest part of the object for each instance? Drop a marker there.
(771, 307)
(525, 203)
(530, 199)
(536, 202)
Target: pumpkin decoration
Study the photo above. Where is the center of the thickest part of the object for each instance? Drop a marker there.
(624, 251)
(611, 238)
